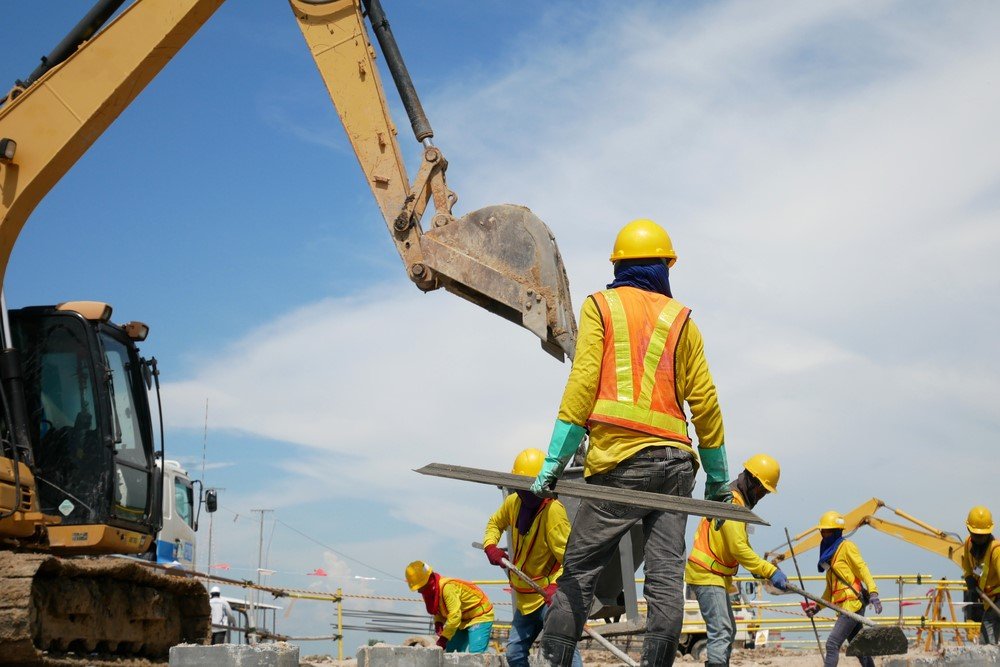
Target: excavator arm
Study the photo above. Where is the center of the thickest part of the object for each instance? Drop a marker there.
(503, 258)
(919, 534)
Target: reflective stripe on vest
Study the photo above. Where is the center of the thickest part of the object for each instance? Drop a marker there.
(633, 348)
(484, 605)
(987, 562)
(703, 556)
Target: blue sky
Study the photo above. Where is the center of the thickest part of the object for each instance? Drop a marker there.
(828, 173)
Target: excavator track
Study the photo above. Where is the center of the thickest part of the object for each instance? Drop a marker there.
(101, 609)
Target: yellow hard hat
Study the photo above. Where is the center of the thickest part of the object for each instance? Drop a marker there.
(418, 573)
(529, 462)
(642, 239)
(980, 521)
(831, 520)
(765, 469)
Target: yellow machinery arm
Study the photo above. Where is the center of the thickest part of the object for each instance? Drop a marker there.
(920, 534)
(502, 258)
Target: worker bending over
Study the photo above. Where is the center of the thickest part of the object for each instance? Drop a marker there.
(849, 584)
(539, 528)
(463, 615)
(639, 358)
(719, 550)
(981, 569)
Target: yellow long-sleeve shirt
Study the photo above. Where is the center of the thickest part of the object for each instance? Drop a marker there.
(969, 562)
(730, 543)
(461, 604)
(538, 554)
(610, 444)
(989, 580)
(847, 563)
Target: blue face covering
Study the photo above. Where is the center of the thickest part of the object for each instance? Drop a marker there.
(828, 547)
(651, 275)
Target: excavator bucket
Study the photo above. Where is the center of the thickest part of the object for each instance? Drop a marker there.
(505, 259)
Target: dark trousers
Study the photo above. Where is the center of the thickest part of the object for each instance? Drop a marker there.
(844, 630)
(219, 637)
(598, 527)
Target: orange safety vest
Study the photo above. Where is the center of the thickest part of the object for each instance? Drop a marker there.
(522, 550)
(840, 592)
(637, 389)
(484, 605)
(703, 556)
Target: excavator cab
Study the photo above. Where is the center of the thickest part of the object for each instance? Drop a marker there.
(88, 415)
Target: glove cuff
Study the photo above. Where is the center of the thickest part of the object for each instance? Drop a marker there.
(715, 463)
(566, 439)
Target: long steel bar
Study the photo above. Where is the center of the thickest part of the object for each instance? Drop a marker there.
(645, 499)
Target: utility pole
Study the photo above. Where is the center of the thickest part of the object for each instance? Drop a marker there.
(260, 566)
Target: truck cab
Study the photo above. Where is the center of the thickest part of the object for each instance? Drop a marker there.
(175, 543)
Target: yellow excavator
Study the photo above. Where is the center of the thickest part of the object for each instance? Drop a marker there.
(77, 453)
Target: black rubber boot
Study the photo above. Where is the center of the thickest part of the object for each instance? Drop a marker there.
(716, 664)
(558, 651)
(658, 651)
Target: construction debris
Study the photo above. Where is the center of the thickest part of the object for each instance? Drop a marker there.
(970, 655)
(235, 655)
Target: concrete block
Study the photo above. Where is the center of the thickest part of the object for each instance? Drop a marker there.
(235, 655)
(970, 655)
(382, 655)
(473, 660)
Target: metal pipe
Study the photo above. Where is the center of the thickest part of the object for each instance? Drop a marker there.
(795, 560)
(81, 32)
(394, 61)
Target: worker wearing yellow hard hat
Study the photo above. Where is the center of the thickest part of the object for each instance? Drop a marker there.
(981, 570)
(718, 552)
(539, 527)
(849, 584)
(463, 614)
(639, 359)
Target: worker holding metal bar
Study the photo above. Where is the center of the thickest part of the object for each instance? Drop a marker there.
(639, 358)
(539, 527)
(979, 522)
(719, 550)
(849, 584)
(982, 555)
(463, 614)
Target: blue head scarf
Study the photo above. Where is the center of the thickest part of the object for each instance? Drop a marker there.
(828, 547)
(651, 275)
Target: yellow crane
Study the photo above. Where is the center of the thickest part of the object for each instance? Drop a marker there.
(77, 453)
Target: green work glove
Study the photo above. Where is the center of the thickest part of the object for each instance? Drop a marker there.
(566, 439)
(717, 472)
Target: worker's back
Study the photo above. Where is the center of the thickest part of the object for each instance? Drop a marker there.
(222, 613)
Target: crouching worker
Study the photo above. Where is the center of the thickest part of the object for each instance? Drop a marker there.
(463, 615)
(540, 529)
(849, 584)
(718, 552)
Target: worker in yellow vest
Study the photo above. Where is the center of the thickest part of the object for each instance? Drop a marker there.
(983, 551)
(539, 527)
(979, 522)
(463, 615)
(639, 358)
(849, 584)
(718, 552)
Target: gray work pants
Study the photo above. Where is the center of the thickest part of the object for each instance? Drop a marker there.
(720, 623)
(844, 630)
(598, 527)
(989, 631)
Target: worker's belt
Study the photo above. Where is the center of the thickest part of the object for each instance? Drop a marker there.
(660, 453)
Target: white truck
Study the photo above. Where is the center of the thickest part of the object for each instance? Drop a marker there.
(175, 543)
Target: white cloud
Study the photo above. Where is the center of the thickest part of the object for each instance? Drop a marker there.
(828, 172)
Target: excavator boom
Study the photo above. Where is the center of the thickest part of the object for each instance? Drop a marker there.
(502, 258)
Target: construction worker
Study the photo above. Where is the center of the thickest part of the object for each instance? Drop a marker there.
(849, 585)
(979, 522)
(639, 358)
(718, 552)
(463, 615)
(981, 570)
(222, 616)
(540, 528)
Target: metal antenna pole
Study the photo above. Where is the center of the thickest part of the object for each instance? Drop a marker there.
(260, 565)
(803, 585)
